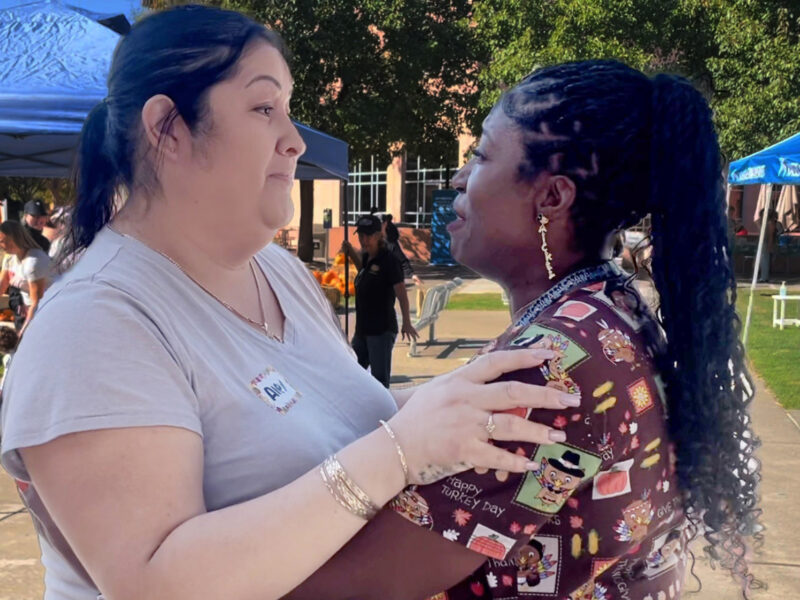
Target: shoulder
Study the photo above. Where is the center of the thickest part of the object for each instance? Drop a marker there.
(291, 266)
(599, 341)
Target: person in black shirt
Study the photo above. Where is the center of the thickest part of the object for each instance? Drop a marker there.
(378, 283)
(34, 221)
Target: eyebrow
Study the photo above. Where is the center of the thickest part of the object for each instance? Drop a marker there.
(265, 78)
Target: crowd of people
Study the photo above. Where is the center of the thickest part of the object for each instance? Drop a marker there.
(202, 400)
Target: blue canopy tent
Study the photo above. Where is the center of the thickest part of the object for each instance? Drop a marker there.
(778, 164)
(53, 67)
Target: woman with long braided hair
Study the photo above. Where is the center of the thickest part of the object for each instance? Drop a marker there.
(661, 450)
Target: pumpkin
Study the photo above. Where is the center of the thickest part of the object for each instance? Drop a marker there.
(327, 278)
(317, 275)
(488, 546)
(611, 482)
(352, 289)
(339, 259)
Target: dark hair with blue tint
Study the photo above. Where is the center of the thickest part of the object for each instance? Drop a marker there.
(180, 53)
(634, 146)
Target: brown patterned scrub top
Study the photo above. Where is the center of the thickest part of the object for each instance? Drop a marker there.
(602, 519)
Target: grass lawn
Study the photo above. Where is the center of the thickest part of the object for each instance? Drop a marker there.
(489, 301)
(775, 354)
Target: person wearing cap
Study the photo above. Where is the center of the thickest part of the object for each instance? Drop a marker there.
(378, 283)
(34, 221)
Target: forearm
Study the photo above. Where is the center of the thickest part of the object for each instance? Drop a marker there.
(390, 559)
(402, 297)
(265, 547)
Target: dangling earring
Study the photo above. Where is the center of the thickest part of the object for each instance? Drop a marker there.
(548, 258)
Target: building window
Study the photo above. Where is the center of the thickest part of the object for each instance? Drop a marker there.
(420, 184)
(365, 190)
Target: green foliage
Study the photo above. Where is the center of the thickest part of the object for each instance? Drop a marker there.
(741, 53)
(756, 81)
(377, 72)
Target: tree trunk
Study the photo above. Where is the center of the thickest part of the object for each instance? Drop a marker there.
(305, 237)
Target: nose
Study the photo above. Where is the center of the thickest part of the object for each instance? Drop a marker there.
(459, 181)
(291, 142)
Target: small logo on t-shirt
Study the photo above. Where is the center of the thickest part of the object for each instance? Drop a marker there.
(274, 390)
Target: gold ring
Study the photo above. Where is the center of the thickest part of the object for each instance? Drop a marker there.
(490, 426)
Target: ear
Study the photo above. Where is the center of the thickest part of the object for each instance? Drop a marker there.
(173, 134)
(556, 198)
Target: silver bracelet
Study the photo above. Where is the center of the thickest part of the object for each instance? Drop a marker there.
(400, 453)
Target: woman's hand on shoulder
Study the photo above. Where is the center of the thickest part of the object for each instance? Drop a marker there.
(448, 423)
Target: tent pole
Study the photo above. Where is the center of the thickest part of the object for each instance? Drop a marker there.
(764, 219)
(343, 200)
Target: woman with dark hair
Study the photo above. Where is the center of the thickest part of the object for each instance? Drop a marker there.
(25, 273)
(204, 431)
(661, 449)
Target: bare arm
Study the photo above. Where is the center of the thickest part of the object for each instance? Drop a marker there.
(35, 291)
(4, 281)
(148, 533)
(407, 329)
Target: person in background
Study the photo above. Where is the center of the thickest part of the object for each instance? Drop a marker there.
(57, 227)
(392, 235)
(378, 284)
(25, 272)
(35, 220)
(8, 344)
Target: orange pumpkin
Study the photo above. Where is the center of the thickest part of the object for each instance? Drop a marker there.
(327, 278)
(352, 288)
(339, 259)
(317, 275)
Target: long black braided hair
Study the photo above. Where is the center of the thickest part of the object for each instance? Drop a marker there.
(635, 146)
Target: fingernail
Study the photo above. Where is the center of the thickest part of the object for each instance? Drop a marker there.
(557, 436)
(532, 466)
(570, 400)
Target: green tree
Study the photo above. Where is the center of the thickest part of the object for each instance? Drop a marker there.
(740, 53)
(756, 81)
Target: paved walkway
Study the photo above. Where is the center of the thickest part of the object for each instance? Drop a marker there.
(459, 333)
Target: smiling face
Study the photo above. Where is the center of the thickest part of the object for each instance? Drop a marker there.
(238, 172)
(495, 223)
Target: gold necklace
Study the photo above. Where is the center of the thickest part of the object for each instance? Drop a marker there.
(263, 325)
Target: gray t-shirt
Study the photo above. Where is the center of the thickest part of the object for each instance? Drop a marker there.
(130, 340)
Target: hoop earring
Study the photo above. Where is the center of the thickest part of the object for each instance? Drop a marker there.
(548, 258)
